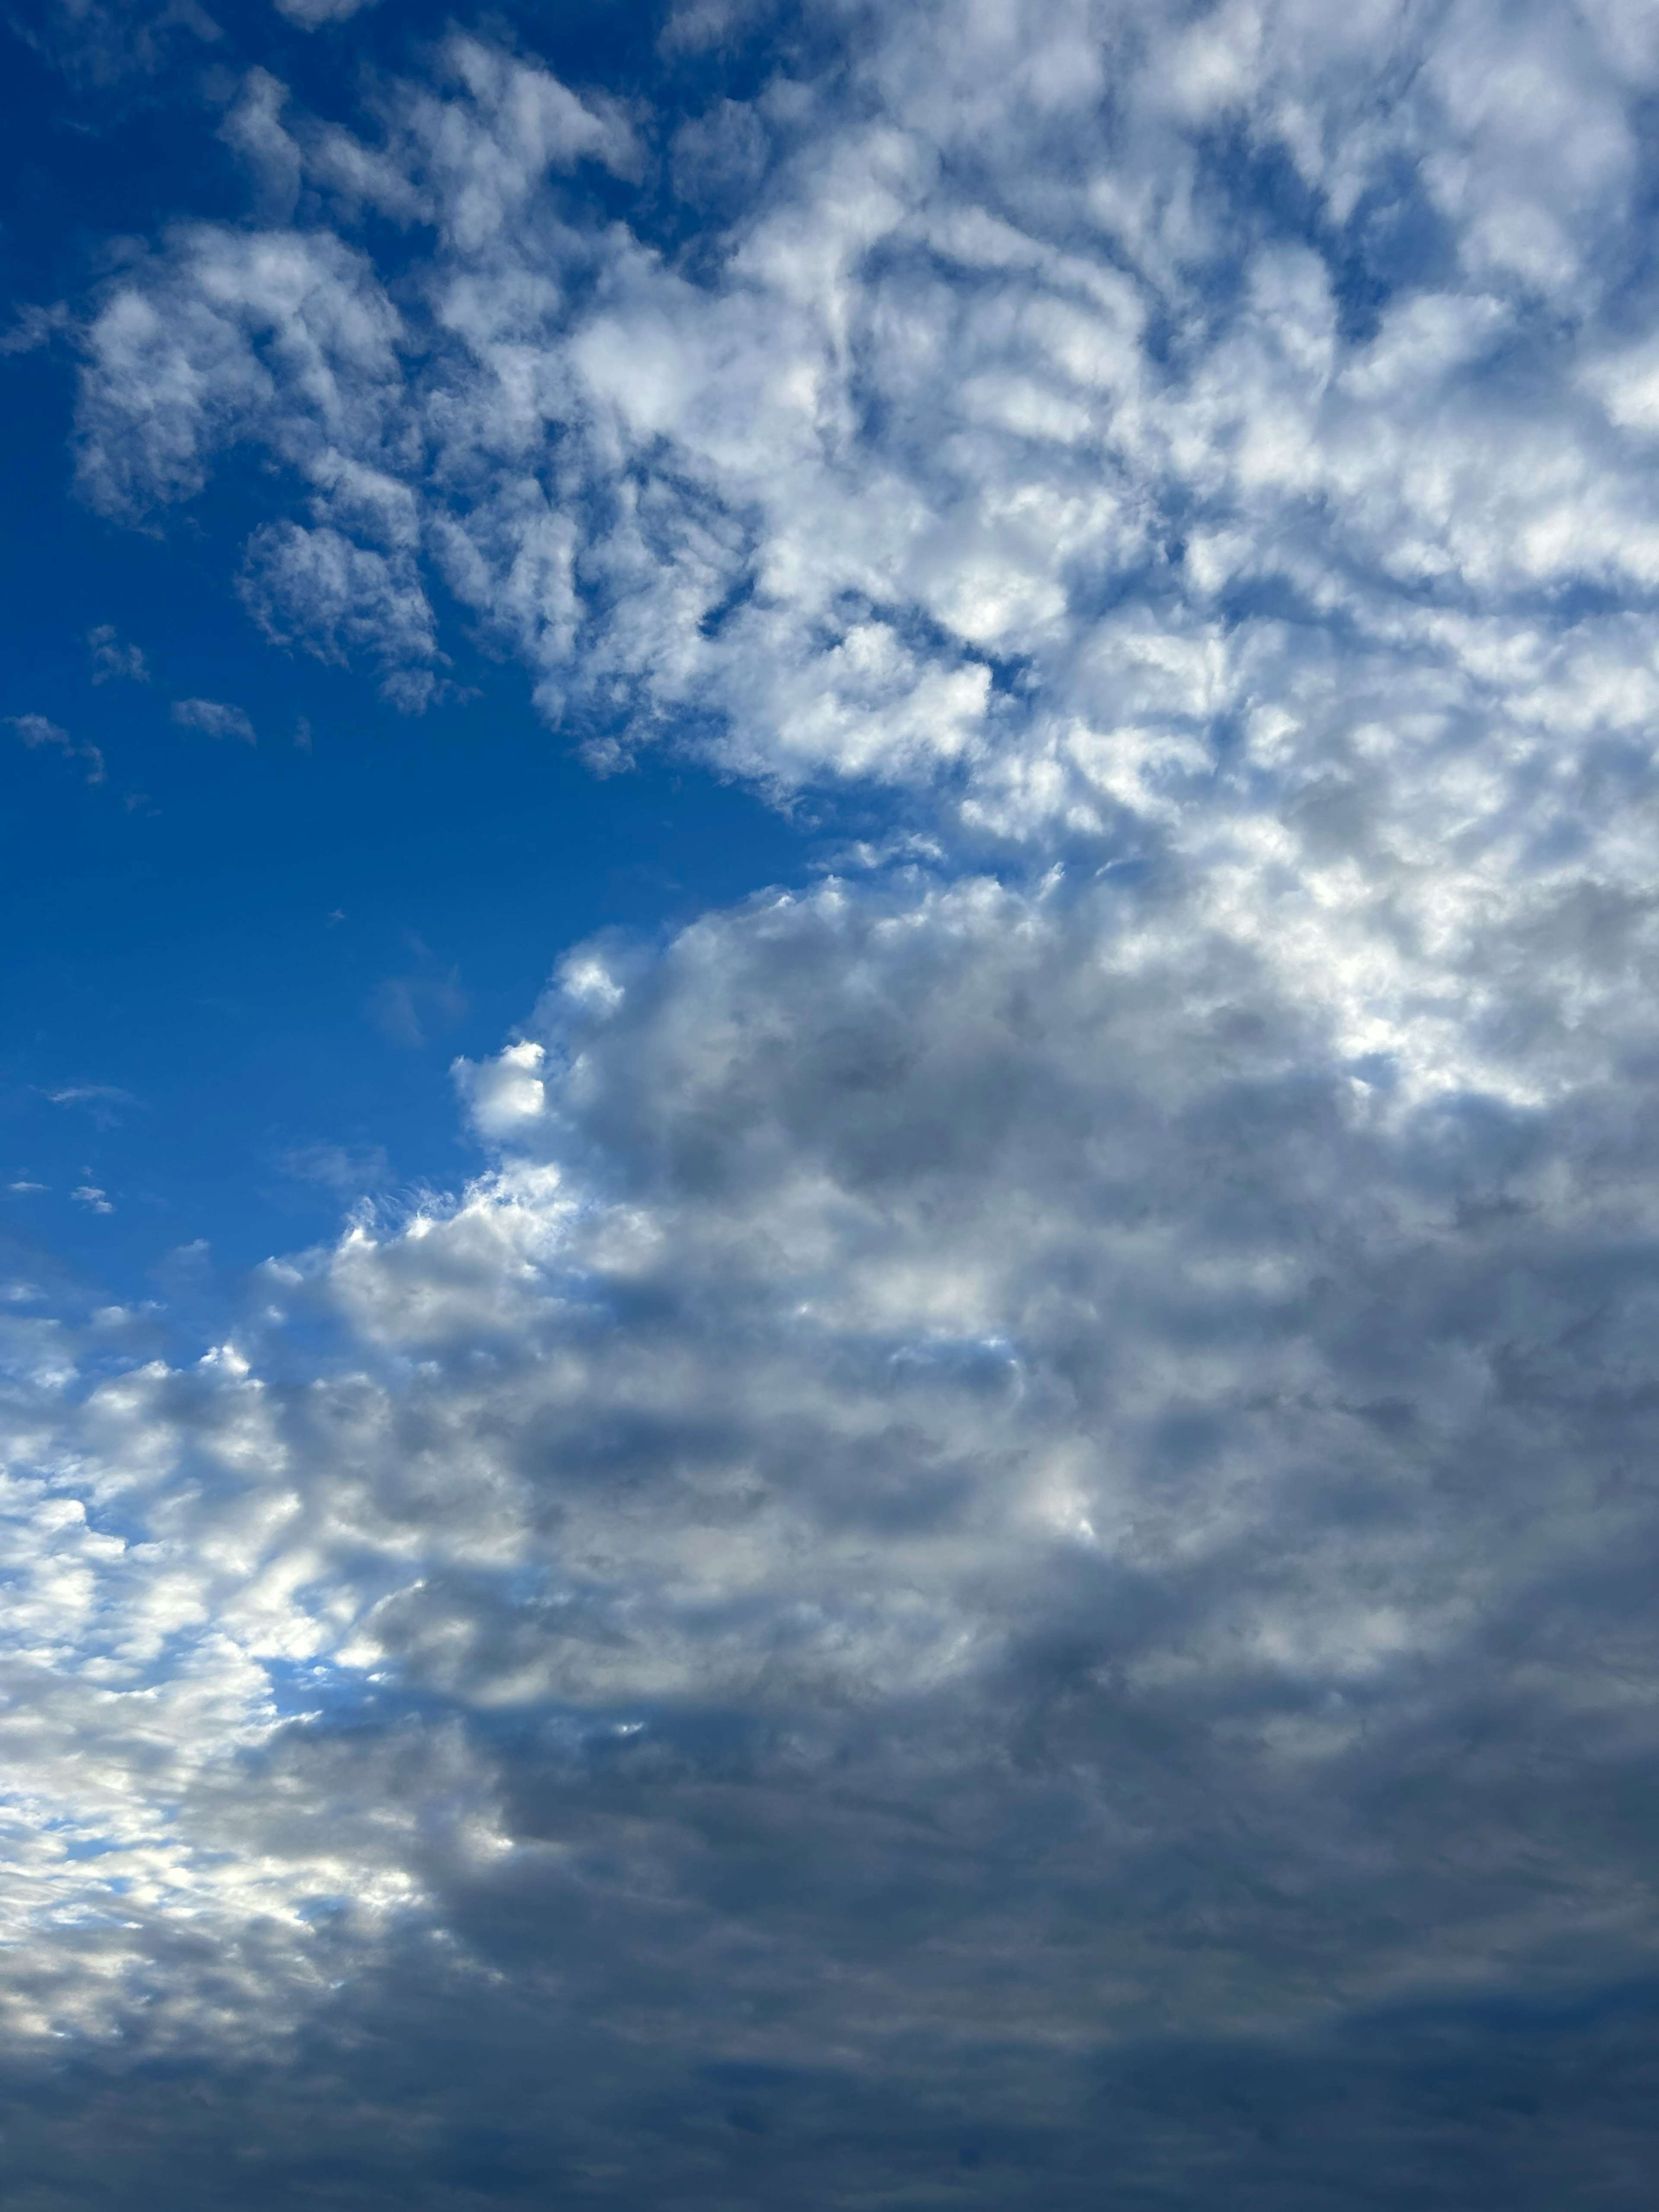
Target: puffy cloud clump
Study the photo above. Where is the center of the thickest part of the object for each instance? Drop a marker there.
(1222, 439)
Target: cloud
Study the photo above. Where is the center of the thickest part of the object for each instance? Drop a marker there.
(36, 730)
(409, 1009)
(349, 1170)
(311, 15)
(99, 45)
(111, 659)
(1298, 531)
(213, 719)
(100, 1097)
(1006, 1538)
(317, 588)
(961, 1490)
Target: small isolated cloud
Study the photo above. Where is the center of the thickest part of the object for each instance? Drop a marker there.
(213, 719)
(112, 660)
(89, 1195)
(348, 1170)
(409, 1010)
(311, 15)
(36, 730)
(84, 1094)
(103, 1101)
(25, 1185)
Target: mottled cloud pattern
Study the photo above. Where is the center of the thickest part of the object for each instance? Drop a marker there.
(1008, 1553)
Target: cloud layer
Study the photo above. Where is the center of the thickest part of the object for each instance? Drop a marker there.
(1012, 1535)
(962, 1494)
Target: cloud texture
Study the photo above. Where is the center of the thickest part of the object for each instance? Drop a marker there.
(1012, 1537)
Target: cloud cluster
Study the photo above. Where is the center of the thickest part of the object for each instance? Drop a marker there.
(1014, 1532)
(1225, 439)
(36, 730)
(962, 1491)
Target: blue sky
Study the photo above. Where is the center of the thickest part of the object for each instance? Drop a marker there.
(828, 1189)
(189, 1027)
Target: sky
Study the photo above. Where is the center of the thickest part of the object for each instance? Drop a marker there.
(829, 1191)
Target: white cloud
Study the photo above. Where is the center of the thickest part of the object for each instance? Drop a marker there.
(320, 589)
(1086, 509)
(310, 14)
(214, 718)
(111, 658)
(36, 730)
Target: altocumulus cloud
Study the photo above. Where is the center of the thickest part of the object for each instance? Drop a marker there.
(1006, 1555)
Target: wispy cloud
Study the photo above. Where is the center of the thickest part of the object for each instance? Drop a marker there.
(213, 719)
(410, 1009)
(36, 730)
(111, 658)
(348, 1170)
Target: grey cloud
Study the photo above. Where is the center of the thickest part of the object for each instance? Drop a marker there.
(965, 1508)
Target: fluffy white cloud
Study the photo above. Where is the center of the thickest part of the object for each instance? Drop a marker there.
(1222, 442)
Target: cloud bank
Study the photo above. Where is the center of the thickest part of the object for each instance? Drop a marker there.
(1011, 1539)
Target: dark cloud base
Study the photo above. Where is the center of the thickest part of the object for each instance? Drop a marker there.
(855, 1837)
(436, 2099)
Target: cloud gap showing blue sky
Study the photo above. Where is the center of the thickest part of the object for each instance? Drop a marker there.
(831, 1205)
